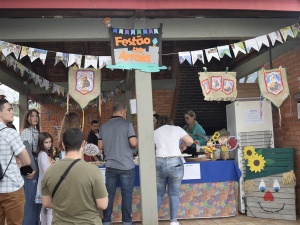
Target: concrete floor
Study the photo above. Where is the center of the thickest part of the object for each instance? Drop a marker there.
(240, 219)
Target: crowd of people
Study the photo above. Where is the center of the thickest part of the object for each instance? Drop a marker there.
(34, 189)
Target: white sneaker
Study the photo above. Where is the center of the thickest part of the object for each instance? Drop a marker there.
(174, 223)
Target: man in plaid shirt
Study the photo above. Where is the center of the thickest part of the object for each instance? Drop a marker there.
(12, 198)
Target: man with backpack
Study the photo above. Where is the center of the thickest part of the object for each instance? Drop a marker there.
(13, 155)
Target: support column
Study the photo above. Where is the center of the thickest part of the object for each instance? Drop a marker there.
(143, 88)
(23, 106)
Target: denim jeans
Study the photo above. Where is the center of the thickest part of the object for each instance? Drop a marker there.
(32, 210)
(126, 178)
(169, 171)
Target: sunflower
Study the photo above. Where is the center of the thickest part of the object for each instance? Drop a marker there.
(249, 152)
(257, 163)
(216, 136)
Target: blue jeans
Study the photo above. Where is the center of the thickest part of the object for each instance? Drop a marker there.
(126, 178)
(169, 171)
(32, 210)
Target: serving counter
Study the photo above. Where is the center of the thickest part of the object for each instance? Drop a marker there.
(214, 195)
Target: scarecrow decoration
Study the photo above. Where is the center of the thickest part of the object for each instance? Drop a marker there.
(273, 85)
(270, 183)
(218, 86)
(210, 154)
(83, 87)
(224, 135)
(107, 22)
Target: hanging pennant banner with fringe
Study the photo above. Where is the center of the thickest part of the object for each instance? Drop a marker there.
(262, 40)
(273, 85)
(90, 60)
(75, 58)
(84, 85)
(197, 55)
(218, 86)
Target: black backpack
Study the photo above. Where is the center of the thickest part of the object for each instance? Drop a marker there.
(1, 171)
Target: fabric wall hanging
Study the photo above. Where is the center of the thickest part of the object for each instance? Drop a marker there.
(219, 86)
(84, 85)
(273, 85)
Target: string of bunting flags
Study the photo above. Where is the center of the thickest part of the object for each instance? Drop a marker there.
(69, 59)
(42, 82)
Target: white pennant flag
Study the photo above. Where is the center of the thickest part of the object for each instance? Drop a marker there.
(104, 61)
(197, 55)
(8, 48)
(37, 79)
(90, 60)
(251, 43)
(262, 40)
(41, 82)
(275, 36)
(238, 47)
(75, 58)
(184, 56)
(287, 31)
(21, 68)
(46, 84)
(56, 89)
(224, 50)
(212, 52)
(63, 57)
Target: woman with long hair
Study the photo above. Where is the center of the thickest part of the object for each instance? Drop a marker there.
(30, 132)
(45, 154)
(193, 128)
(169, 165)
(71, 119)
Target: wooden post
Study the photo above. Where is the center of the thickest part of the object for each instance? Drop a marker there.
(146, 148)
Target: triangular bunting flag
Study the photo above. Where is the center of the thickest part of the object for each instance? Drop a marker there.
(224, 50)
(275, 36)
(251, 43)
(262, 40)
(90, 60)
(197, 55)
(104, 61)
(55, 88)
(184, 56)
(60, 56)
(212, 52)
(62, 90)
(46, 84)
(286, 32)
(8, 48)
(75, 58)
(238, 47)
(295, 28)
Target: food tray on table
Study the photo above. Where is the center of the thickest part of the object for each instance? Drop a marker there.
(196, 159)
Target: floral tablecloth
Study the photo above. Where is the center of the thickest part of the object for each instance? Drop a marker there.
(196, 200)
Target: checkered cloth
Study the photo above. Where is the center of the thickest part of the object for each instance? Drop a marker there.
(32, 136)
(10, 143)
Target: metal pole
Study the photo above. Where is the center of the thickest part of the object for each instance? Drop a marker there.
(146, 147)
(270, 57)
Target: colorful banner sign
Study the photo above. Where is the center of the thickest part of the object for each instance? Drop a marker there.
(137, 49)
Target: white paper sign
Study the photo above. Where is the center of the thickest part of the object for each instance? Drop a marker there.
(103, 173)
(133, 106)
(192, 171)
(252, 116)
(298, 108)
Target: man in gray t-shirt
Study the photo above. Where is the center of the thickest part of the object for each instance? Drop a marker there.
(117, 138)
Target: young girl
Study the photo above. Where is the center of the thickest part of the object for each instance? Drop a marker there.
(45, 152)
(30, 132)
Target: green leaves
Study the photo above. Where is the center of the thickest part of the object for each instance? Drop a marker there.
(259, 151)
(269, 161)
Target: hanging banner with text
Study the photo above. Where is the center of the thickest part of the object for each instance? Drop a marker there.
(136, 49)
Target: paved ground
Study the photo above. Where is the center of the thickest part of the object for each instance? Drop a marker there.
(240, 219)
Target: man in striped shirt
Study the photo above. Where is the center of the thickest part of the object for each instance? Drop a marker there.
(13, 155)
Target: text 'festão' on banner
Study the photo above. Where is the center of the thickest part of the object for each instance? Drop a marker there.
(136, 49)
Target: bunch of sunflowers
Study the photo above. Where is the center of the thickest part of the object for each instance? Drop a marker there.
(256, 161)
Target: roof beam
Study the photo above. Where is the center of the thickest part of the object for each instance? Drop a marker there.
(66, 29)
(9, 79)
(253, 65)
